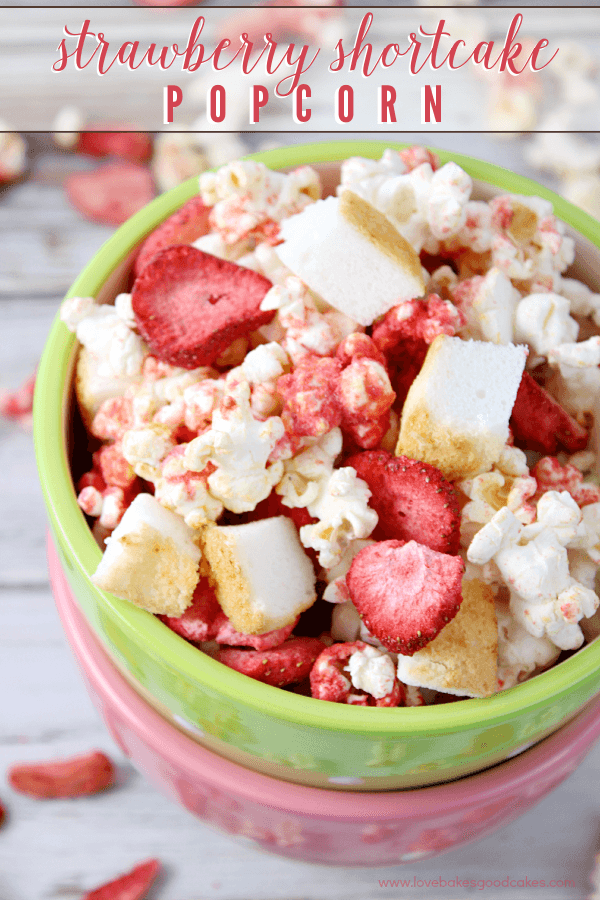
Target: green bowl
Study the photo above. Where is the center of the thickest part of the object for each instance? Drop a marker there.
(267, 729)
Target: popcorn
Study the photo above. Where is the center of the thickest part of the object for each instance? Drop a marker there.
(280, 437)
(343, 513)
(239, 447)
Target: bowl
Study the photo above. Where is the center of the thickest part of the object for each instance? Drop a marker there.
(277, 732)
(308, 823)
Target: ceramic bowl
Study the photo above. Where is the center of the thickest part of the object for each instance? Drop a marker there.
(277, 732)
(309, 823)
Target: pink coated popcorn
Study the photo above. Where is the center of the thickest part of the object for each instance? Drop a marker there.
(413, 157)
(113, 419)
(311, 404)
(113, 466)
(414, 325)
(366, 397)
(328, 682)
(552, 476)
(201, 400)
(356, 346)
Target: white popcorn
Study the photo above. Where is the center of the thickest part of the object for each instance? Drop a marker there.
(519, 652)
(425, 206)
(184, 492)
(343, 513)
(372, 671)
(543, 321)
(306, 474)
(534, 564)
(145, 448)
(584, 302)
(239, 446)
(337, 589)
(576, 382)
(214, 244)
(491, 309)
(265, 363)
(201, 399)
(106, 331)
(450, 190)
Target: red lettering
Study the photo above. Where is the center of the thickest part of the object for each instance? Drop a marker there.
(344, 104)
(301, 115)
(429, 105)
(216, 101)
(387, 99)
(172, 97)
(259, 97)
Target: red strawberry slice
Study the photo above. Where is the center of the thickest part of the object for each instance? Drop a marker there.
(226, 634)
(134, 146)
(289, 663)
(112, 193)
(413, 500)
(540, 423)
(405, 593)
(189, 306)
(77, 776)
(134, 885)
(198, 622)
(183, 227)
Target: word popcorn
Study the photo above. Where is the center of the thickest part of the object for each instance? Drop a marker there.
(343, 442)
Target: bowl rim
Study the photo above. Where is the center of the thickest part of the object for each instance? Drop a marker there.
(534, 764)
(51, 403)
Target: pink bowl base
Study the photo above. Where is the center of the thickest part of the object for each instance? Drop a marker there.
(306, 823)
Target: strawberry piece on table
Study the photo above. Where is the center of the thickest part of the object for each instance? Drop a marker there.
(412, 499)
(134, 146)
(405, 593)
(112, 193)
(541, 424)
(189, 306)
(76, 777)
(132, 886)
(183, 227)
(198, 622)
(289, 663)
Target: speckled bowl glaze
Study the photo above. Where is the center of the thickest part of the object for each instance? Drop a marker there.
(277, 732)
(308, 823)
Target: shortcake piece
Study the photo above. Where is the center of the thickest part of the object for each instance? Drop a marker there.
(456, 413)
(352, 256)
(151, 559)
(463, 658)
(262, 577)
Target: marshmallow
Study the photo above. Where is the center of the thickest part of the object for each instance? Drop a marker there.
(151, 559)
(456, 413)
(262, 577)
(352, 256)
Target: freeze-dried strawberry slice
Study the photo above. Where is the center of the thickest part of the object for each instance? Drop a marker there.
(405, 592)
(541, 424)
(198, 622)
(189, 306)
(183, 227)
(132, 886)
(75, 777)
(412, 499)
(134, 146)
(112, 193)
(289, 663)
(227, 635)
